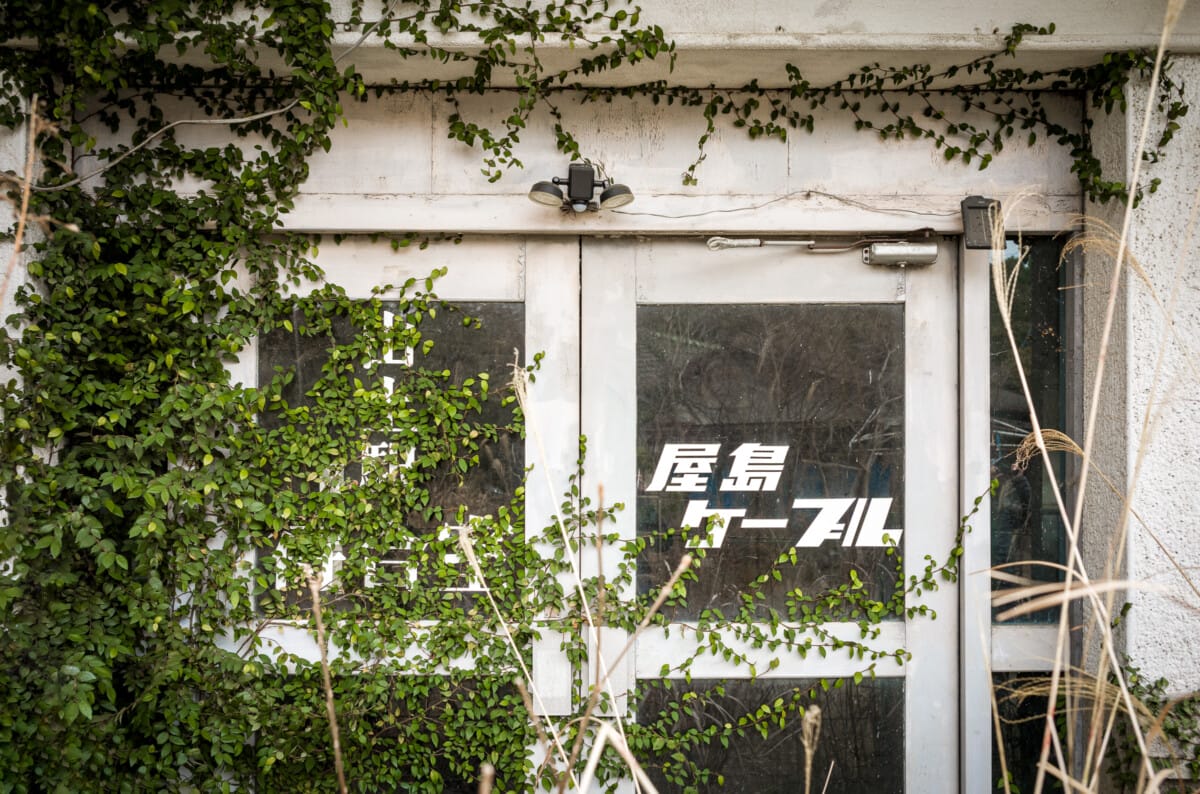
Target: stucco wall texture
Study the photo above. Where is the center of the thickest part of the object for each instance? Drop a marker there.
(1155, 417)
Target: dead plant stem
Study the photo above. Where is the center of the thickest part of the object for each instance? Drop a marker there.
(1005, 284)
(594, 693)
(1093, 412)
(314, 587)
(468, 549)
(26, 189)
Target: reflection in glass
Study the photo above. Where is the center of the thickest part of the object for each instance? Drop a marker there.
(860, 747)
(1021, 708)
(466, 352)
(747, 408)
(1026, 525)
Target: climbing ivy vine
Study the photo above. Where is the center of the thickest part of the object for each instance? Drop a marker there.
(161, 519)
(969, 111)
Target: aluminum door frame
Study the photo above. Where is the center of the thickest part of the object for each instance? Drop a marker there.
(620, 274)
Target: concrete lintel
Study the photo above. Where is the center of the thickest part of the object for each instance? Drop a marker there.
(662, 215)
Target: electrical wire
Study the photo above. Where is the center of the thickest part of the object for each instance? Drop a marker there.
(806, 193)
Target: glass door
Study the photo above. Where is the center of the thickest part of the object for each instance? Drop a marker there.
(786, 419)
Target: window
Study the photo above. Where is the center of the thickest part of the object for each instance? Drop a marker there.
(469, 341)
(1026, 525)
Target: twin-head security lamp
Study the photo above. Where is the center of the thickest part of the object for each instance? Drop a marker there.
(581, 184)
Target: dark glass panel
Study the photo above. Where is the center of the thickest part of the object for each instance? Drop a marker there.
(859, 748)
(748, 408)
(1026, 525)
(462, 350)
(1021, 706)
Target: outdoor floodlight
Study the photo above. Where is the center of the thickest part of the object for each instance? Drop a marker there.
(615, 196)
(581, 184)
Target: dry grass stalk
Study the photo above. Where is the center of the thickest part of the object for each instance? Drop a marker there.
(1079, 683)
(1056, 594)
(1094, 753)
(26, 189)
(684, 563)
(998, 738)
(810, 734)
(596, 688)
(487, 778)
(594, 695)
(603, 681)
(1057, 441)
(828, 777)
(607, 735)
(1102, 239)
(1005, 281)
(314, 588)
(1103, 708)
(1093, 696)
(1004, 284)
(520, 385)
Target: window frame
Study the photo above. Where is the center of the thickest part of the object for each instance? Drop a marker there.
(988, 647)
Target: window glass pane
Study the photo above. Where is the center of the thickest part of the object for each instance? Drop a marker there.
(460, 352)
(464, 351)
(1021, 705)
(1026, 525)
(745, 409)
(860, 746)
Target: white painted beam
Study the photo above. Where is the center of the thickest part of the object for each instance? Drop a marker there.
(664, 214)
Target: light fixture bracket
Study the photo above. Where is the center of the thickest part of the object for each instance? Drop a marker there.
(581, 184)
(981, 219)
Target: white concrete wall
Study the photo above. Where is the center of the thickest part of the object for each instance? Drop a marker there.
(1149, 412)
(392, 168)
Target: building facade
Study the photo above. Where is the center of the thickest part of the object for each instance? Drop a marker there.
(803, 344)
